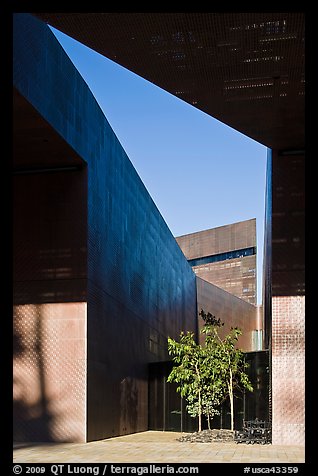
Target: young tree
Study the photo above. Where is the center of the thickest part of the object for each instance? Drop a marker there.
(207, 374)
(234, 367)
(197, 377)
(214, 390)
(231, 361)
(188, 373)
(212, 396)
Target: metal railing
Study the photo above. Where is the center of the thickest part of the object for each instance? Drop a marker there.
(254, 431)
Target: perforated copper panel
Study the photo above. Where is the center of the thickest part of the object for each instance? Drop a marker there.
(245, 69)
(288, 370)
(50, 372)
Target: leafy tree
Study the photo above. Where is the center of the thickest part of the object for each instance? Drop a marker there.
(209, 320)
(188, 372)
(212, 397)
(234, 367)
(197, 380)
(207, 374)
(231, 361)
(214, 388)
(198, 374)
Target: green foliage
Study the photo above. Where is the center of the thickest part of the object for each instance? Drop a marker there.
(207, 374)
(198, 380)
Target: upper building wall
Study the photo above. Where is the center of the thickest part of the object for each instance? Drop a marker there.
(225, 238)
(237, 276)
(225, 256)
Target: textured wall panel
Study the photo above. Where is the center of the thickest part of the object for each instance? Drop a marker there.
(284, 289)
(288, 224)
(50, 237)
(234, 312)
(50, 252)
(235, 275)
(140, 290)
(288, 370)
(235, 236)
(50, 372)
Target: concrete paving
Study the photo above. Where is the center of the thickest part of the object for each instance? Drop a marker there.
(155, 447)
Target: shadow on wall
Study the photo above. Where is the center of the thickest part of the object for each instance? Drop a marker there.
(49, 295)
(128, 405)
(32, 418)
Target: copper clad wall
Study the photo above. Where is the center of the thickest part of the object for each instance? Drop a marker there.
(49, 293)
(234, 312)
(49, 368)
(235, 236)
(288, 297)
(288, 223)
(266, 51)
(288, 370)
(235, 275)
(140, 288)
(50, 236)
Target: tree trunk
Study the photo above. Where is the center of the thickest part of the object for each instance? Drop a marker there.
(231, 400)
(200, 410)
(200, 413)
(209, 426)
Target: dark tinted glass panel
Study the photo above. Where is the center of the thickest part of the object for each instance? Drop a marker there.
(223, 256)
(249, 405)
(167, 411)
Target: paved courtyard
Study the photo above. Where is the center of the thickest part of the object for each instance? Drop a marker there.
(155, 447)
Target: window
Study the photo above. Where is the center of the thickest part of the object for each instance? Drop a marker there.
(223, 256)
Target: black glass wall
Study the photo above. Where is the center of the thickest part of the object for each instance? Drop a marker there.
(249, 405)
(167, 411)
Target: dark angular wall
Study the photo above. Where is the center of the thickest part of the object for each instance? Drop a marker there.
(140, 287)
(140, 290)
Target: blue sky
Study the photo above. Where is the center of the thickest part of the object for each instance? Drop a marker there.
(200, 173)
